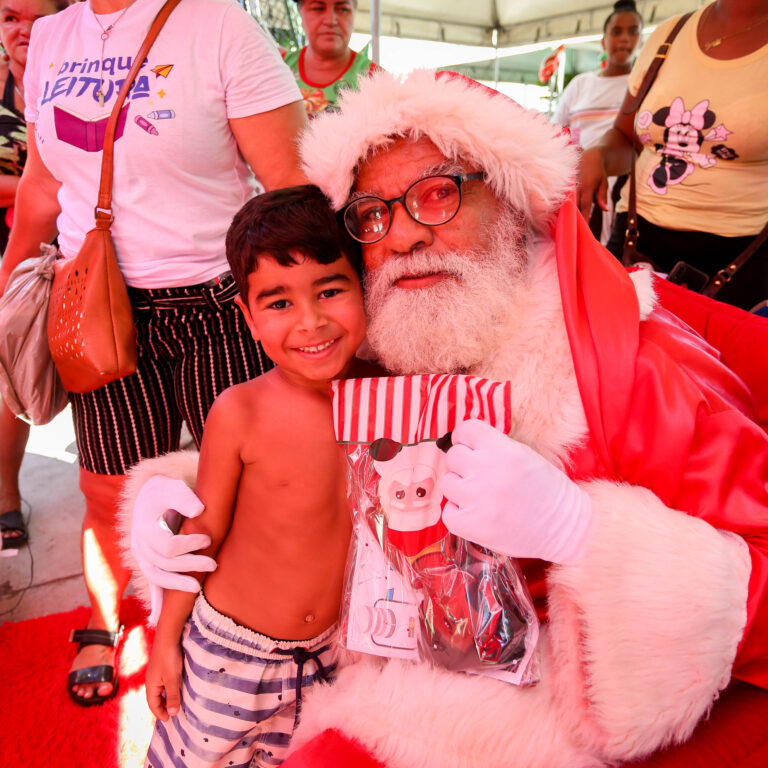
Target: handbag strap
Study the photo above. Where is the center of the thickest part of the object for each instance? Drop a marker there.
(631, 234)
(725, 275)
(655, 66)
(103, 211)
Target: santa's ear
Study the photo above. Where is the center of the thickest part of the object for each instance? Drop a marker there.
(384, 449)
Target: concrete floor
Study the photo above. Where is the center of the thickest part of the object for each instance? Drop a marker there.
(46, 575)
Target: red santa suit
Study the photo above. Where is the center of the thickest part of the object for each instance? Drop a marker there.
(668, 603)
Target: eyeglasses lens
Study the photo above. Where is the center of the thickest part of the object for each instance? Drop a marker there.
(431, 201)
(367, 219)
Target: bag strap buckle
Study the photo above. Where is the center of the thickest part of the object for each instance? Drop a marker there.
(632, 232)
(103, 213)
(724, 276)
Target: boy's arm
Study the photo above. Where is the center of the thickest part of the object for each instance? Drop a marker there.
(217, 479)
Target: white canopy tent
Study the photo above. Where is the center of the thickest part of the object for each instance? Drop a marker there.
(501, 42)
(502, 23)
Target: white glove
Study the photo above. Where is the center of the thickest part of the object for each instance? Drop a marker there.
(506, 497)
(162, 555)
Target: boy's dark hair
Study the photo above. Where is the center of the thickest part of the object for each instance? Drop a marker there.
(619, 7)
(294, 219)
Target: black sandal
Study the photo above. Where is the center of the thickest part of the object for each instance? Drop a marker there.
(10, 522)
(105, 673)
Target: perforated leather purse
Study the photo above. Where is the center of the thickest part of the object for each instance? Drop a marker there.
(91, 333)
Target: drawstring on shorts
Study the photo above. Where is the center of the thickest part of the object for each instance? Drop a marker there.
(300, 656)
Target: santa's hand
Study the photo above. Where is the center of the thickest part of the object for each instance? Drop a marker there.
(162, 555)
(504, 496)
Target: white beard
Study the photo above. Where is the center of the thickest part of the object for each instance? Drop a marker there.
(456, 324)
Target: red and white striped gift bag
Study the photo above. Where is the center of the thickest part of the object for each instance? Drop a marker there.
(414, 591)
(410, 409)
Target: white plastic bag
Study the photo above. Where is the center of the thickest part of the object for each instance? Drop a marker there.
(29, 383)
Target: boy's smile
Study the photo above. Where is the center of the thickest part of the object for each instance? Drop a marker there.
(308, 316)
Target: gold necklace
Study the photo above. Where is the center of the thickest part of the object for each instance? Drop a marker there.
(719, 40)
(104, 37)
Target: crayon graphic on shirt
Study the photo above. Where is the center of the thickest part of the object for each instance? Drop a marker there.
(146, 125)
(162, 114)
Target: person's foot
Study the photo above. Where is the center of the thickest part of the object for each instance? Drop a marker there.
(93, 656)
(13, 528)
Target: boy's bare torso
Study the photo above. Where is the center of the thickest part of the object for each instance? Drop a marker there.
(281, 565)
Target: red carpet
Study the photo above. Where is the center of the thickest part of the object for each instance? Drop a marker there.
(41, 726)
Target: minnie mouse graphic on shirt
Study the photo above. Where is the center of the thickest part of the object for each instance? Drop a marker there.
(684, 135)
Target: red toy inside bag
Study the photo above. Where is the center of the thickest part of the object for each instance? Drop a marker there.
(412, 589)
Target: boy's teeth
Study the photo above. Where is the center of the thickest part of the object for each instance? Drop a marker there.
(318, 348)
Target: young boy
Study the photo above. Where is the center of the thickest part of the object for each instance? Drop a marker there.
(272, 479)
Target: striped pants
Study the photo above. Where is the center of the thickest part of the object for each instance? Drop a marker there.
(239, 694)
(193, 344)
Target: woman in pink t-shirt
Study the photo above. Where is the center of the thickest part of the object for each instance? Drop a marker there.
(212, 106)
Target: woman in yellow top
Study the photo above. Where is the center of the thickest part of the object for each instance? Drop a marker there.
(702, 169)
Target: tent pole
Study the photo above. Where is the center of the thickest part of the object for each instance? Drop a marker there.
(375, 29)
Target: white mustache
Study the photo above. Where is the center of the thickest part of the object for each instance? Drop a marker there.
(421, 263)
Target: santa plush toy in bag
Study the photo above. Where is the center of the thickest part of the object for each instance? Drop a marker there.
(413, 590)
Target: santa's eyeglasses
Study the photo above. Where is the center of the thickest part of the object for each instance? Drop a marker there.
(433, 200)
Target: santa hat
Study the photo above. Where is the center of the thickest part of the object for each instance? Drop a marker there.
(527, 160)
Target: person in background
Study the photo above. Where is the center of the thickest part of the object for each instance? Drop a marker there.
(16, 18)
(213, 98)
(327, 64)
(591, 101)
(702, 171)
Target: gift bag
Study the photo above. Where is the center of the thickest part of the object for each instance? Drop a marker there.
(29, 383)
(412, 589)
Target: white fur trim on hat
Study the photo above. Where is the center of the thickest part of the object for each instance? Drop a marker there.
(528, 161)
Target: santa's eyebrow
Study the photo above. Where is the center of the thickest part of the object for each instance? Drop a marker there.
(446, 168)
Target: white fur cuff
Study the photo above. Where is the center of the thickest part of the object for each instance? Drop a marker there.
(181, 465)
(649, 622)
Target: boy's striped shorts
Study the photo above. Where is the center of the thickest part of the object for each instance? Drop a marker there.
(239, 694)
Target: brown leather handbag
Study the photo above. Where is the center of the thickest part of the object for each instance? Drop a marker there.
(91, 333)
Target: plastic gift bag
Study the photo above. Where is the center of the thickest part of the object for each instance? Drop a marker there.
(29, 383)
(412, 589)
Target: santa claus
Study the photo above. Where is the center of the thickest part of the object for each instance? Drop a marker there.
(636, 472)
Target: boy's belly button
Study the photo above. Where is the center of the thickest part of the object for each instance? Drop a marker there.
(309, 618)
